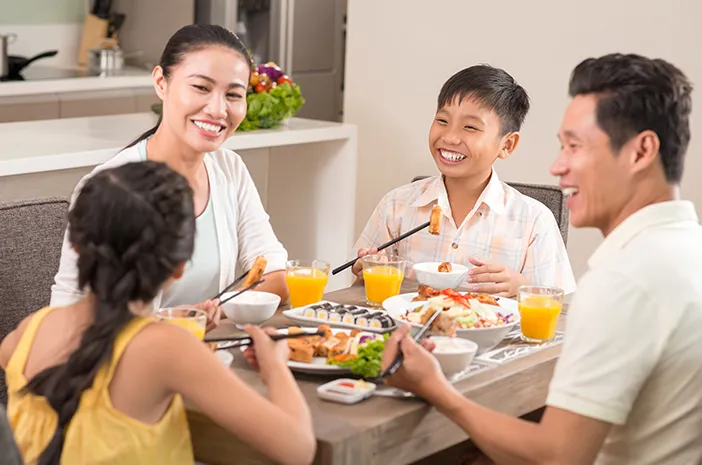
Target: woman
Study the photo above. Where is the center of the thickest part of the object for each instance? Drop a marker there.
(100, 381)
(202, 80)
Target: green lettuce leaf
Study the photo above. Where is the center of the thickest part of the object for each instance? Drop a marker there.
(267, 109)
(369, 360)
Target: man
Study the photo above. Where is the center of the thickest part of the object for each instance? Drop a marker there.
(627, 388)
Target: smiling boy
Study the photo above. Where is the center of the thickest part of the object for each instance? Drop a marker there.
(508, 239)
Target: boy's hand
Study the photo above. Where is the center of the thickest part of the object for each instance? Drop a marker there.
(357, 267)
(503, 281)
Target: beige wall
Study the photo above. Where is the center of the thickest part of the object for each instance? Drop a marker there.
(399, 53)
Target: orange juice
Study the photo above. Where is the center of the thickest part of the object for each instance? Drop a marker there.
(194, 326)
(306, 285)
(382, 281)
(539, 316)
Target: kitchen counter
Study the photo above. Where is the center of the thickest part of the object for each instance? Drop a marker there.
(46, 80)
(304, 170)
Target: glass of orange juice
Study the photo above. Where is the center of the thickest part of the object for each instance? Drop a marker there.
(192, 319)
(539, 308)
(306, 281)
(382, 275)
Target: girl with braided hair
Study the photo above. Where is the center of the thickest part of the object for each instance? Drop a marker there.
(100, 381)
(202, 80)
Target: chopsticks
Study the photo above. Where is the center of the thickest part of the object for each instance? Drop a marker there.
(384, 246)
(234, 283)
(247, 341)
(400, 357)
(242, 291)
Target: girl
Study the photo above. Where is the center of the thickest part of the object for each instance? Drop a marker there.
(202, 80)
(100, 381)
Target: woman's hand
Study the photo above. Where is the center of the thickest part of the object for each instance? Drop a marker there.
(214, 312)
(265, 354)
(357, 267)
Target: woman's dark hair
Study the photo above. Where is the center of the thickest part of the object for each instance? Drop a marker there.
(131, 226)
(492, 87)
(634, 94)
(189, 39)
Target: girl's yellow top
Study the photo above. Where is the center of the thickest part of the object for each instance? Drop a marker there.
(98, 433)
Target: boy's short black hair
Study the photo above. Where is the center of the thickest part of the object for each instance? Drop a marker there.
(492, 87)
(634, 94)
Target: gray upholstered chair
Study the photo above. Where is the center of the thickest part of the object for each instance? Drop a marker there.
(31, 234)
(551, 196)
(9, 454)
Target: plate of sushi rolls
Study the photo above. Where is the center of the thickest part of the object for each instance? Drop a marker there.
(343, 316)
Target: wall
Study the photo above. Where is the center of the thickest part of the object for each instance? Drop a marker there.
(399, 53)
(43, 25)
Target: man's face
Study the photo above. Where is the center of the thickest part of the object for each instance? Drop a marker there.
(597, 179)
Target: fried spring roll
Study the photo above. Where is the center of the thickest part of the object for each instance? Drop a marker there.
(435, 221)
(256, 271)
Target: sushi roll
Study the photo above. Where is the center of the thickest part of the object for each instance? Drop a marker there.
(322, 314)
(349, 307)
(310, 312)
(348, 318)
(336, 315)
(326, 305)
(363, 319)
(381, 322)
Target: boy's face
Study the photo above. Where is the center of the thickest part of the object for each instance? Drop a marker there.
(465, 139)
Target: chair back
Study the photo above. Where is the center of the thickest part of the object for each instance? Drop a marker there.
(551, 196)
(31, 235)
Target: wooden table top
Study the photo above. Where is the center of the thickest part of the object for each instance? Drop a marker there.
(380, 430)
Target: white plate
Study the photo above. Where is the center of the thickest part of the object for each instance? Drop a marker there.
(400, 303)
(297, 315)
(318, 366)
(225, 357)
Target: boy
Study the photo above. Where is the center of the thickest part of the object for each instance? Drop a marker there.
(509, 239)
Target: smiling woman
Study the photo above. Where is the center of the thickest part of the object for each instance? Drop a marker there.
(202, 80)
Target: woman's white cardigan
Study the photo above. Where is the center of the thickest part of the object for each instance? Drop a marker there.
(243, 227)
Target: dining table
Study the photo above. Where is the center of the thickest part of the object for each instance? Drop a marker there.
(391, 427)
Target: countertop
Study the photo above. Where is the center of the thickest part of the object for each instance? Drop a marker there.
(49, 145)
(47, 80)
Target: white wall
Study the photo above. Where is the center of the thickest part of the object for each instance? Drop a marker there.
(400, 52)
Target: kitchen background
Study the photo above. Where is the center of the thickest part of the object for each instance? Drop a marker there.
(380, 65)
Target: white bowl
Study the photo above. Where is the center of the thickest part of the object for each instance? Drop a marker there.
(486, 338)
(454, 354)
(428, 273)
(251, 307)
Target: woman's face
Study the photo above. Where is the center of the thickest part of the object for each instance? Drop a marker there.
(204, 98)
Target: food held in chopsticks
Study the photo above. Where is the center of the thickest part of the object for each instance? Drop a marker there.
(472, 310)
(256, 271)
(445, 267)
(435, 220)
(357, 350)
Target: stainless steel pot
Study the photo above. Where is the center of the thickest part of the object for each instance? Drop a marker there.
(106, 60)
(5, 40)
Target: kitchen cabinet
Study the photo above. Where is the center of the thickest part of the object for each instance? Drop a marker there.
(97, 103)
(29, 108)
(76, 104)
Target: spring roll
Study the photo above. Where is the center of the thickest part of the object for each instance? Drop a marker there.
(435, 220)
(256, 271)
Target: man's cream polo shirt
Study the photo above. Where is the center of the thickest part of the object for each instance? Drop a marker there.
(632, 355)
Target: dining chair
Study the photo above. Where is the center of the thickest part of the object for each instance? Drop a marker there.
(31, 235)
(551, 196)
(9, 454)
